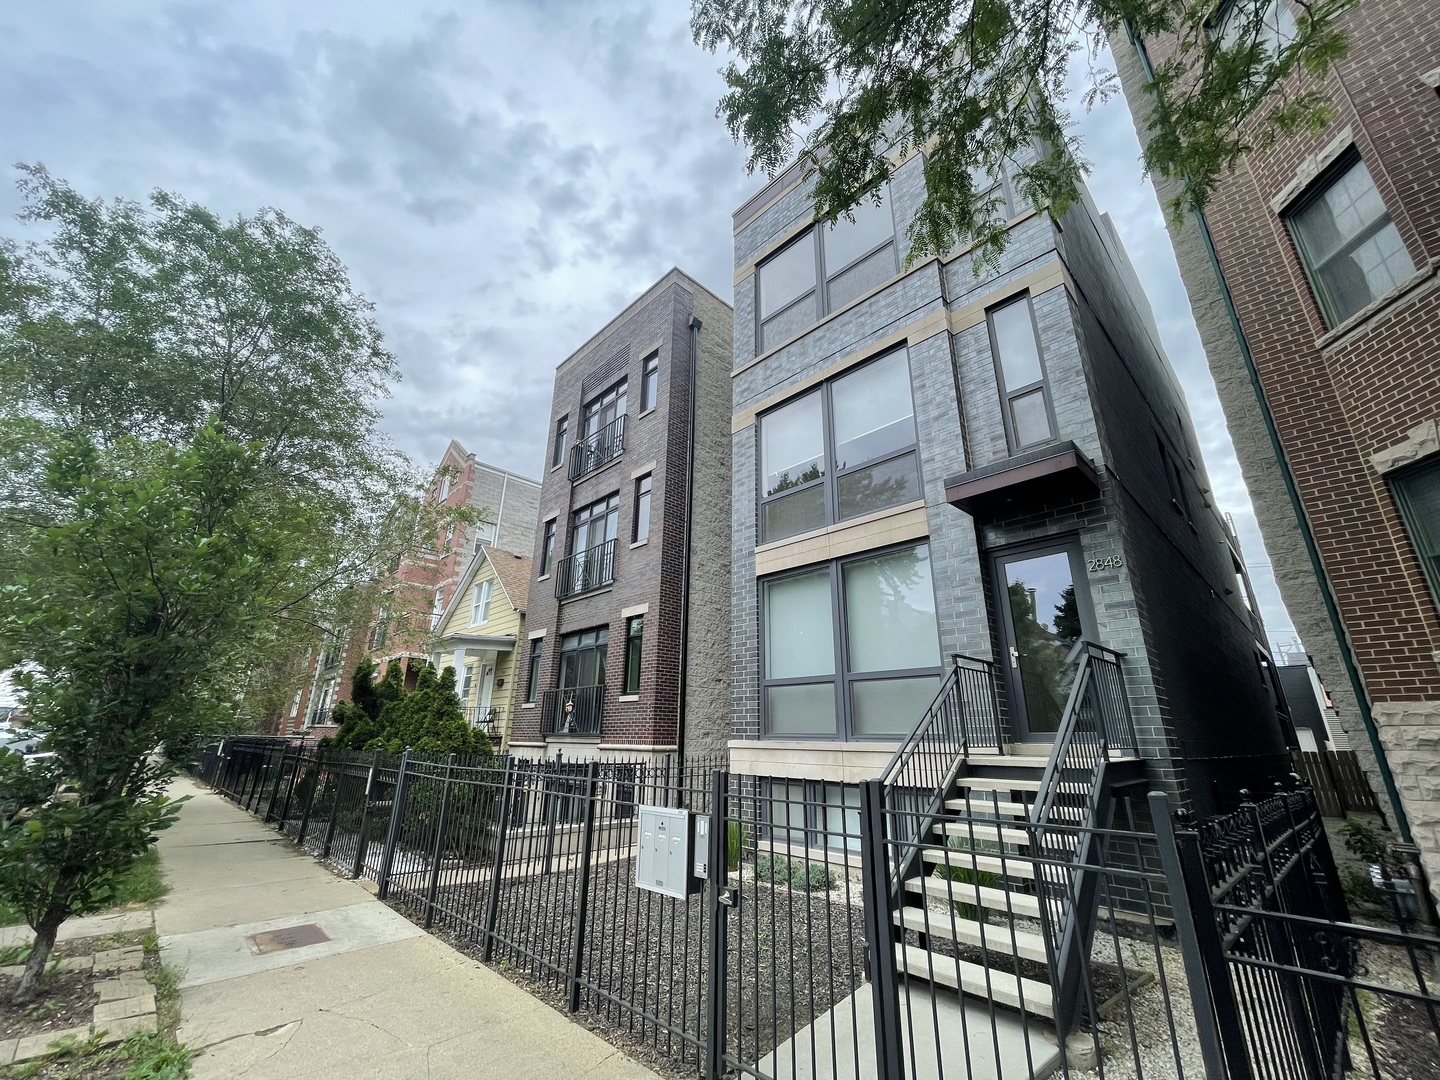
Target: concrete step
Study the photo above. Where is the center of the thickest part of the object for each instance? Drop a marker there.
(1012, 866)
(999, 783)
(999, 939)
(982, 804)
(999, 986)
(992, 897)
(979, 831)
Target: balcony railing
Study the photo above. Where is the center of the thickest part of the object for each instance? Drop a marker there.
(599, 449)
(488, 719)
(572, 710)
(586, 570)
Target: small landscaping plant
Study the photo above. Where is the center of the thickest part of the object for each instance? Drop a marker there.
(811, 877)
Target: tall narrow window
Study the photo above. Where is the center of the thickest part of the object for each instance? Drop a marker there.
(1269, 24)
(444, 492)
(547, 549)
(1351, 249)
(562, 426)
(1022, 375)
(480, 603)
(532, 678)
(1417, 490)
(640, 529)
(439, 609)
(787, 292)
(465, 683)
(634, 639)
(859, 254)
(650, 384)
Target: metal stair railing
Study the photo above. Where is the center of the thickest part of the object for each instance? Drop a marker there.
(1096, 721)
(964, 716)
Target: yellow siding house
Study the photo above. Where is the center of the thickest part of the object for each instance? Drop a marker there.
(480, 635)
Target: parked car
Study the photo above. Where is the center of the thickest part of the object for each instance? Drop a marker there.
(25, 745)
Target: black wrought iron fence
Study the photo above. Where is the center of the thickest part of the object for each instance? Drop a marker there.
(1216, 953)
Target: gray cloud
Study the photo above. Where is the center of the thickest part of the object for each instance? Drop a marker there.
(498, 178)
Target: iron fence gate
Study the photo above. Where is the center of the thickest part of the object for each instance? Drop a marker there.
(1219, 949)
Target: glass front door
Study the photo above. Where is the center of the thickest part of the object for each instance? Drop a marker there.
(1041, 618)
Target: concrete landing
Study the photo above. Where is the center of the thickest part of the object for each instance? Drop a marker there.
(972, 1043)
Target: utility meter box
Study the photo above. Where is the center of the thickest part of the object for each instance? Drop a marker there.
(662, 863)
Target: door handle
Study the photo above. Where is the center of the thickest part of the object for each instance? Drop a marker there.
(1014, 657)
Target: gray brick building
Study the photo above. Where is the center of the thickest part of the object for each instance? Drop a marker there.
(612, 610)
(952, 458)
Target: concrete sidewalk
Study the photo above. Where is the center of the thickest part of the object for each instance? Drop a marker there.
(371, 996)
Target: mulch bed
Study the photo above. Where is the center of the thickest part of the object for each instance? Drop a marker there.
(66, 1000)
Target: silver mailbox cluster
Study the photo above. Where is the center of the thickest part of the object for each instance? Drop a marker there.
(673, 853)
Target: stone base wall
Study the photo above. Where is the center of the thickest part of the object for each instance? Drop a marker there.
(1410, 731)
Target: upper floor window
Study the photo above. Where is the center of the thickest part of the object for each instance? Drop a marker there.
(532, 676)
(562, 426)
(650, 383)
(444, 491)
(1351, 249)
(484, 533)
(1016, 347)
(1268, 23)
(640, 529)
(1417, 490)
(841, 451)
(634, 642)
(602, 434)
(439, 609)
(824, 269)
(547, 548)
(595, 524)
(480, 603)
(602, 411)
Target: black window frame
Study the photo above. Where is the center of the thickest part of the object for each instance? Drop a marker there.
(532, 676)
(819, 293)
(547, 548)
(634, 648)
(1332, 174)
(813, 805)
(562, 431)
(608, 507)
(1009, 394)
(650, 382)
(574, 643)
(831, 476)
(1423, 536)
(617, 394)
(842, 678)
(644, 489)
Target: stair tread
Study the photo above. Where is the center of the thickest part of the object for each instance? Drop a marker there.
(992, 897)
(1011, 866)
(1000, 783)
(999, 939)
(999, 986)
(979, 804)
(970, 829)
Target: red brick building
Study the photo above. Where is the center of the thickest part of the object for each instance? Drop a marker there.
(626, 652)
(1313, 279)
(419, 589)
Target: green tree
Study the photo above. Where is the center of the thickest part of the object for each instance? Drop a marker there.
(853, 86)
(133, 601)
(384, 716)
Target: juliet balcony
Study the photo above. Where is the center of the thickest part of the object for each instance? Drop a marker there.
(598, 449)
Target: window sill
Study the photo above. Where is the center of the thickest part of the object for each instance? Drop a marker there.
(527, 704)
(639, 543)
(645, 412)
(1419, 284)
(628, 697)
(543, 577)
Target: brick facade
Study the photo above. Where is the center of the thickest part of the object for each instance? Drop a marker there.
(1113, 395)
(648, 576)
(1341, 398)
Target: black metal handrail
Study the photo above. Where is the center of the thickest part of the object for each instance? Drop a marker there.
(572, 710)
(487, 718)
(586, 570)
(601, 448)
(1073, 792)
(965, 715)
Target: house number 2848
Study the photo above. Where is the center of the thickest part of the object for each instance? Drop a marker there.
(1110, 562)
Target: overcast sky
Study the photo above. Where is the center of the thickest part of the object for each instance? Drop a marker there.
(500, 177)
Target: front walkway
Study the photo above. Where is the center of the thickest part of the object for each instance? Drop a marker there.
(289, 971)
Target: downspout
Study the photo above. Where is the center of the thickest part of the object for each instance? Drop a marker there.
(1402, 823)
(684, 680)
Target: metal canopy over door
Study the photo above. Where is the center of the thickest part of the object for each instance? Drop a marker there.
(1042, 614)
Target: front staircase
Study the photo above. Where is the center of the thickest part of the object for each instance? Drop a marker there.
(987, 851)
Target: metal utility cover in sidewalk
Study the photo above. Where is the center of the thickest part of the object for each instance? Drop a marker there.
(289, 937)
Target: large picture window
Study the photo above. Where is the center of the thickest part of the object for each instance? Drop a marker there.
(851, 649)
(824, 269)
(842, 451)
(1351, 249)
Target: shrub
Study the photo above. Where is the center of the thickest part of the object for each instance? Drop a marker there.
(1362, 841)
(806, 877)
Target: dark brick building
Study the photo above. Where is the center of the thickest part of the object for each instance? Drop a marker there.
(609, 621)
(955, 458)
(1313, 279)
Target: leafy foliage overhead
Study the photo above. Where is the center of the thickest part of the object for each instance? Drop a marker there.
(856, 86)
